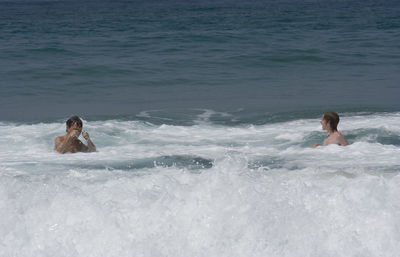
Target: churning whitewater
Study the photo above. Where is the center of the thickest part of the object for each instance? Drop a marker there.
(202, 190)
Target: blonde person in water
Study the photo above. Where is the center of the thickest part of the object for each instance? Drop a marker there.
(329, 123)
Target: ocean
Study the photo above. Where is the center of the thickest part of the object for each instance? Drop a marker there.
(203, 114)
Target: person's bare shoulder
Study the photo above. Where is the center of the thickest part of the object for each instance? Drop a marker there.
(338, 139)
(58, 141)
(342, 140)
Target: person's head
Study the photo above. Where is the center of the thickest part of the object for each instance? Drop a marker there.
(74, 123)
(330, 121)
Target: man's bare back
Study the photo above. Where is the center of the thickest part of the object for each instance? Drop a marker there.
(335, 138)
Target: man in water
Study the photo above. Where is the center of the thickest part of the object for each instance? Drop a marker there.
(329, 122)
(70, 142)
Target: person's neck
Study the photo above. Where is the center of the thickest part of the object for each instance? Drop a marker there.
(330, 132)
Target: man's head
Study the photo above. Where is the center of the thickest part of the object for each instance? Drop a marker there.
(330, 119)
(74, 123)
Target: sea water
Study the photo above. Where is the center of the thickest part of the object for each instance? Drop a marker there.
(202, 190)
(203, 114)
(101, 58)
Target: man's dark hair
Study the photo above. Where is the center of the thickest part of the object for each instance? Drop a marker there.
(333, 119)
(74, 120)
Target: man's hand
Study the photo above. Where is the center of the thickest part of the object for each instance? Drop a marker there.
(91, 146)
(315, 145)
(85, 135)
(74, 134)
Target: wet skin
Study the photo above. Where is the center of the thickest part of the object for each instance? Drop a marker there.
(334, 136)
(69, 143)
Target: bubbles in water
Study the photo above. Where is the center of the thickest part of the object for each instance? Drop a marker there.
(202, 190)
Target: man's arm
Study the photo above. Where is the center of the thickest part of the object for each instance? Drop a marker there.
(325, 143)
(91, 147)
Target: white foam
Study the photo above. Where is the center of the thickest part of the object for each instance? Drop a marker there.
(206, 115)
(268, 193)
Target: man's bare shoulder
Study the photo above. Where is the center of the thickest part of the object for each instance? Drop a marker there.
(342, 140)
(57, 142)
(59, 139)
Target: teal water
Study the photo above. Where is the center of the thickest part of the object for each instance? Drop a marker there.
(255, 60)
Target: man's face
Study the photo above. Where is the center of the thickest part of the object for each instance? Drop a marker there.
(324, 124)
(75, 127)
